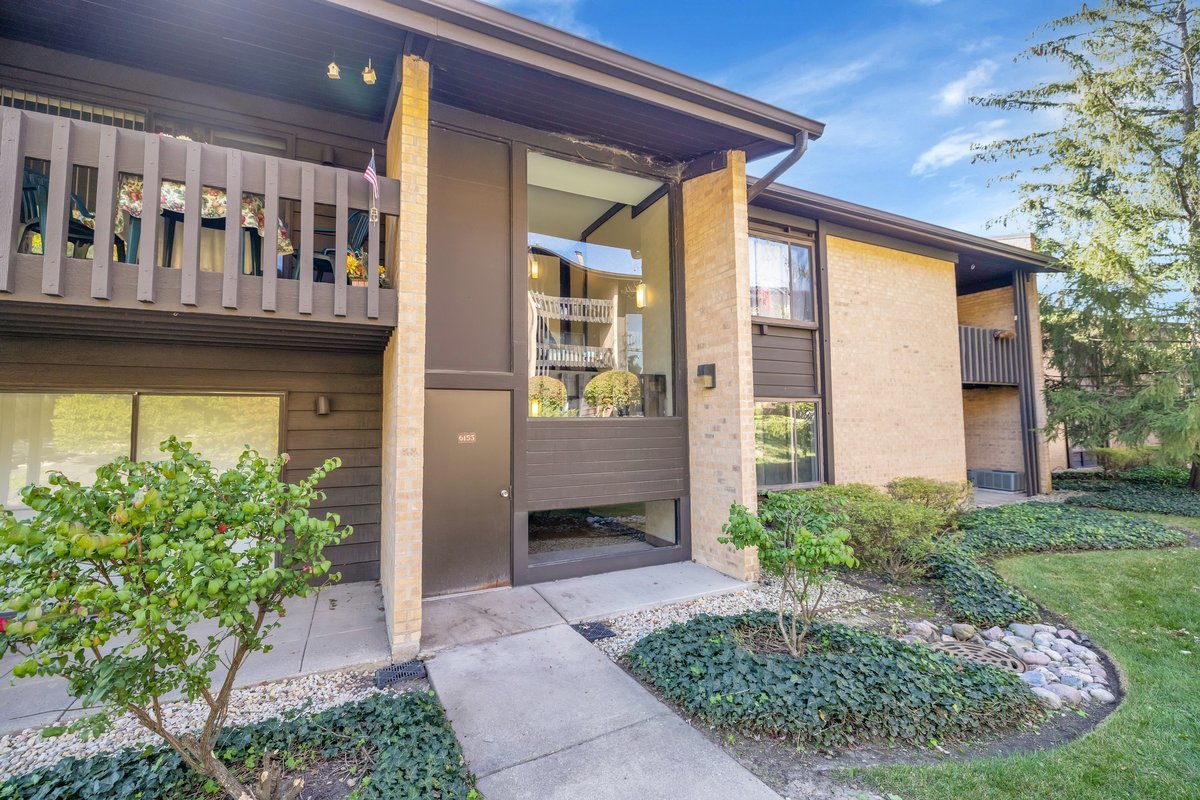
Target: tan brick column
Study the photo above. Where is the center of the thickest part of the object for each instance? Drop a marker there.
(716, 270)
(404, 367)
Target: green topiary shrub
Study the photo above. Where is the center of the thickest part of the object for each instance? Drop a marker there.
(975, 592)
(547, 396)
(1149, 499)
(892, 538)
(850, 686)
(950, 498)
(1035, 527)
(1116, 459)
(613, 392)
(416, 756)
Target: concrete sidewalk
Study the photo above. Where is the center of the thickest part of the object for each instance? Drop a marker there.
(541, 713)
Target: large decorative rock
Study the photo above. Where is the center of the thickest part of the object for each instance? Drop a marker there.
(1050, 654)
(923, 629)
(1047, 698)
(1069, 695)
(1034, 658)
(963, 632)
(912, 639)
(1034, 678)
(1102, 695)
(1073, 680)
(1040, 628)
(1067, 633)
(1024, 631)
(994, 634)
(1018, 642)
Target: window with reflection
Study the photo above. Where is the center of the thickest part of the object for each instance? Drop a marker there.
(600, 336)
(781, 280)
(785, 443)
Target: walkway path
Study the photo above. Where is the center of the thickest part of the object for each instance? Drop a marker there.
(541, 713)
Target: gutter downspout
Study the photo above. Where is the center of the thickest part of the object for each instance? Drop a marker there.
(763, 183)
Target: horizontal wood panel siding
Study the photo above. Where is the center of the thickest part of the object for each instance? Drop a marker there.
(785, 361)
(986, 359)
(581, 462)
(352, 381)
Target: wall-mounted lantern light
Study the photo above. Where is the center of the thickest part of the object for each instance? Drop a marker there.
(322, 406)
(368, 74)
(535, 408)
(706, 376)
(640, 295)
(534, 270)
(332, 71)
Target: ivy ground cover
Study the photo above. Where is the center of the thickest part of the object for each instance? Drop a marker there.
(848, 686)
(1144, 609)
(414, 751)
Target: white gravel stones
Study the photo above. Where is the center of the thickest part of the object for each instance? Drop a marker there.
(765, 594)
(26, 751)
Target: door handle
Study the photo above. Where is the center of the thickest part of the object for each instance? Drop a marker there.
(504, 493)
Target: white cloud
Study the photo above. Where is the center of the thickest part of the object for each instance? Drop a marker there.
(956, 93)
(956, 146)
(789, 86)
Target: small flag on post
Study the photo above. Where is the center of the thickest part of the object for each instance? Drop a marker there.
(373, 178)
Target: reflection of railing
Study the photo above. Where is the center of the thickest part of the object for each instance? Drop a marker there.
(99, 281)
(574, 309)
(573, 356)
(989, 356)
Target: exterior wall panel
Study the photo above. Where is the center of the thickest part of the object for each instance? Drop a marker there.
(785, 362)
(351, 431)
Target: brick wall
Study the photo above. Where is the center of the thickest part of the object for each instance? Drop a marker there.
(720, 420)
(992, 424)
(404, 367)
(896, 386)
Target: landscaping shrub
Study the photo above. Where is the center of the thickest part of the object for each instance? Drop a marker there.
(1078, 481)
(892, 538)
(849, 686)
(1150, 499)
(613, 392)
(1157, 476)
(416, 756)
(846, 492)
(1116, 459)
(1034, 527)
(951, 498)
(975, 592)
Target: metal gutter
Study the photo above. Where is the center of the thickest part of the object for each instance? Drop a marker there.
(492, 30)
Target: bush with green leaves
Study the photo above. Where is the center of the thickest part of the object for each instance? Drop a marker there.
(548, 395)
(1147, 499)
(846, 492)
(849, 686)
(799, 539)
(613, 392)
(105, 581)
(1037, 527)
(415, 754)
(950, 498)
(1157, 475)
(975, 593)
(1080, 481)
(1117, 459)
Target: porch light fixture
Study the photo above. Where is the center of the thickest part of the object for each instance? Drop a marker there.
(534, 270)
(640, 295)
(535, 408)
(332, 71)
(368, 74)
(322, 406)
(706, 376)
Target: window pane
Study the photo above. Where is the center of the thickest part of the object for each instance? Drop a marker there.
(573, 533)
(770, 279)
(785, 440)
(600, 333)
(71, 433)
(218, 426)
(802, 283)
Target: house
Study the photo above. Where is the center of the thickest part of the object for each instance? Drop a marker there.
(574, 335)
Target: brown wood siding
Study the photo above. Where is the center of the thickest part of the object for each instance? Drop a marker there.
(580, 462)
(785, 362)
(352, 431)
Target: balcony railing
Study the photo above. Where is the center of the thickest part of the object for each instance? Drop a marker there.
(573, 357)
(988, 355)
(222, 286)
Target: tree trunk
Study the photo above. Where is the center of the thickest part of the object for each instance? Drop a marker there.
(1194, 477)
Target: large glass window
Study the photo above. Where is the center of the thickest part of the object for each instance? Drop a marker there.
(785, 443)
(600, 335)
(75, 432)
(781, 280)
(572, 533)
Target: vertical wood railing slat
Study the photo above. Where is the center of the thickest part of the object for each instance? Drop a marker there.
(191, 227)
(148, 244)
(233, 229)
(341, 223)
(307, 200)
(106, 201)
(12, 162)
(270, 239)
(58, 209)
(373, 272)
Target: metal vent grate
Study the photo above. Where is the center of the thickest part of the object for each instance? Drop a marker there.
(594, 631)
(72, 109)
(396, 673)
(981, 654)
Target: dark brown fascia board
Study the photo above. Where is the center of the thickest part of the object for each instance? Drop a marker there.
(809, 204)
(492, 30)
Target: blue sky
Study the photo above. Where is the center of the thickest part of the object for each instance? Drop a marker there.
(889, 78)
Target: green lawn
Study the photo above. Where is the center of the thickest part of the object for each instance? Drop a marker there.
(1183, 523)
(1130, 603)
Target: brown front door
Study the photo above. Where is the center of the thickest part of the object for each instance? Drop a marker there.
(467, 541)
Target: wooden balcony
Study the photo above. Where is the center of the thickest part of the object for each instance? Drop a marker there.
(224, 289)
(989, 356)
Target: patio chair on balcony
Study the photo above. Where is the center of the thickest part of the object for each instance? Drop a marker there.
(35, 191)
(358, 227)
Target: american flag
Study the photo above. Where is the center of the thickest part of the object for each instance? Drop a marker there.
(372, 177)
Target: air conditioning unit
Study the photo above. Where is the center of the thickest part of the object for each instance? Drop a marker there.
(1001, 480)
